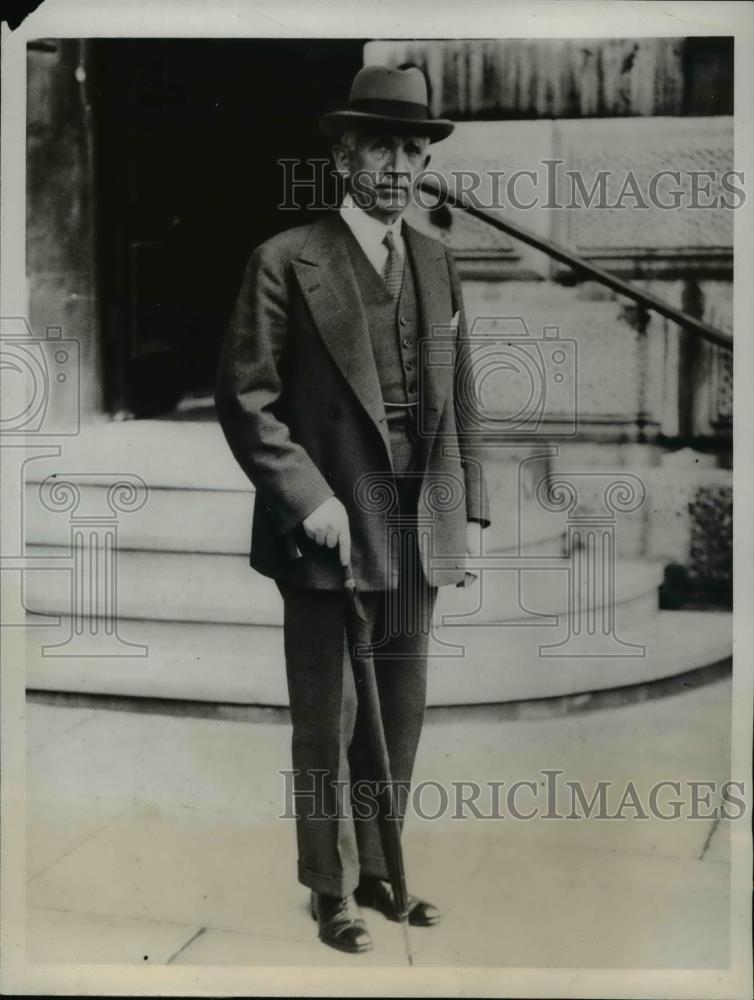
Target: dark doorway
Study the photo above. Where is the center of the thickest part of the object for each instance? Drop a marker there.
(188, 135)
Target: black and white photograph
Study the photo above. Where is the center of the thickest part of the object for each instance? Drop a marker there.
(372, 621)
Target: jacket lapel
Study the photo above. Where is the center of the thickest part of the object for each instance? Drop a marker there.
(328, 283)
(433, 291)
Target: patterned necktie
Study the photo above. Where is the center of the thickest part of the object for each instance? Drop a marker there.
(392, 272)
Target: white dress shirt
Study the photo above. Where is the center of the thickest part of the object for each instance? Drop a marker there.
(370, 232)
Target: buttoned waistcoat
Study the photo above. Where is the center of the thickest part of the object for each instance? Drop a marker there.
(299, 400)
(393, 327)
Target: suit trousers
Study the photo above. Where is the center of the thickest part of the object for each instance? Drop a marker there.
(337, 832)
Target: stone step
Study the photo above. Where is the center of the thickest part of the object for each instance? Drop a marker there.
(244, 664)
(177, 519)
(189, 495)
(162, 453)
(205, 587)
(174, 455)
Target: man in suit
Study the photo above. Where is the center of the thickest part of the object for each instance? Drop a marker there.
(362, 451)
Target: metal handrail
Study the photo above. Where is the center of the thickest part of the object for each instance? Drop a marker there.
(580, 264)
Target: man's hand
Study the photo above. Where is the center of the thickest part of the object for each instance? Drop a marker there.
(328, 525)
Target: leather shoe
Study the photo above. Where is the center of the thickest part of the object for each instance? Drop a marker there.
(374, 893)
(340, 923)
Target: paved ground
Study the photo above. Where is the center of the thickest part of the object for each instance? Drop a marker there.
(154, 839)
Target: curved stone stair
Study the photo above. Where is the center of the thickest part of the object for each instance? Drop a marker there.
(195, 622)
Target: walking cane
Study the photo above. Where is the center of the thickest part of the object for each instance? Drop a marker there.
(360, 641)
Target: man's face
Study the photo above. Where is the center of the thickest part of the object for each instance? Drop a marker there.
(381, 170)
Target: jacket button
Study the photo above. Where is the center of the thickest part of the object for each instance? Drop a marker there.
(409, 365)
(328, 475)
(406, 342)
(404, 320)
(412, 387)
(333, 414)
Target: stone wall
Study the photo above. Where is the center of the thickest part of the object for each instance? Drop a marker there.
(620, 385)
(569, 78)
(61, 208)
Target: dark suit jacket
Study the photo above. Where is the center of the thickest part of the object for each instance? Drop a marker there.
(299, 400)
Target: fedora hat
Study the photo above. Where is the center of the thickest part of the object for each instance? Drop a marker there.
(390, 99)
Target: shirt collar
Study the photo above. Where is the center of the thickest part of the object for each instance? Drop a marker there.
(364, 226)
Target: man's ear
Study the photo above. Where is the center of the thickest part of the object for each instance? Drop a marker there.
(338, 158)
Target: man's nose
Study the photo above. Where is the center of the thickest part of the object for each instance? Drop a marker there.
(401, 162)
(396, 165)
(389, 163)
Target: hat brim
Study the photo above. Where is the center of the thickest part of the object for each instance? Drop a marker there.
(335, 123)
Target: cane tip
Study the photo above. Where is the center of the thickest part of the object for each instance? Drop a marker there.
(406, 941)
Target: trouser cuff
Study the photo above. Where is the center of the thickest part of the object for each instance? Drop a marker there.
(331, 885)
